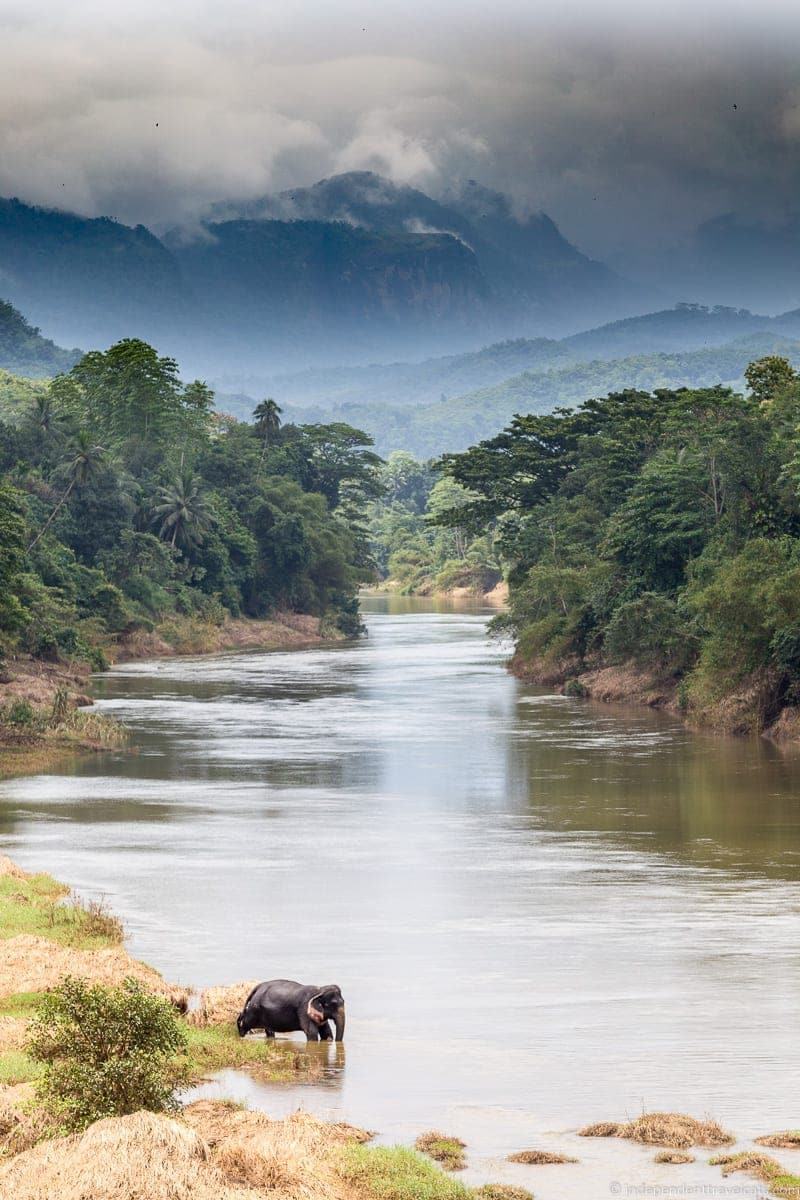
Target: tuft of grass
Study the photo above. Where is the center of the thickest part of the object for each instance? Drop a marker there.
(539, 1158)
(676, 1157)
(449, 1151)
(788, 1140)
(36, 906)
(214, 1047)
(397, 1173)
(502, 1191)
(760, 1166)
(673, 1130)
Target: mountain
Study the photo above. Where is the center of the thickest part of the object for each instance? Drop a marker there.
(427, 430)
(87, 280)
(23, 350)
(415, 383)
(532, 271)
(683, 328)
(321, 277)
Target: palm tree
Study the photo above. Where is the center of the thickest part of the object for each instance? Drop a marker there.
(184, 512)
(86, 460)
(43, 415)
(268, 422)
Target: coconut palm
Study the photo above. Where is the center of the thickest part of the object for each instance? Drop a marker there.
(86, 459)
(183, 512)
(268, 421)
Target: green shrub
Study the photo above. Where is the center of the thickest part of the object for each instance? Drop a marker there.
(105, 1051)
(648, 631)
(21, 714)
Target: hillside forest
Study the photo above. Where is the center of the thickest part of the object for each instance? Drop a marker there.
(657, 532)
(127, 500)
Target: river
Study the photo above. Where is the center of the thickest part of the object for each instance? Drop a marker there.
(541, 911)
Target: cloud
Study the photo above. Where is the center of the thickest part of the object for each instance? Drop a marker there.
(626, 128)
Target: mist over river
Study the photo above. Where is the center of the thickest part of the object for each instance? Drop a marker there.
(541, 911)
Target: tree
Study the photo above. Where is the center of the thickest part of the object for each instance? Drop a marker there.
(268, 421)
(184, 512)
(767, 377)
(87, 458)
(12, 555)
(106, 1051)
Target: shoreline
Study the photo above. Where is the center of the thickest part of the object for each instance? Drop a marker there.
(219, 1150)
(749, 711)
(496, 596)
(47, 712)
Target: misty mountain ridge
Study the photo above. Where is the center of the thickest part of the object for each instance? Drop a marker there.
(354, 267)
(428, 429)
(23, 350)
(686, 327)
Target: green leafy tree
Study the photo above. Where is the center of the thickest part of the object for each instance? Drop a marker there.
(12, 557)
(105, 1052)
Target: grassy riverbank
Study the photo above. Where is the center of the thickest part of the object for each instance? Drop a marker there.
(212, 1150)
(216, 1150)
(45, 708)
(46, 934)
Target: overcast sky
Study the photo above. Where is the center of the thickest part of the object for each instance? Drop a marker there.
(624, 122)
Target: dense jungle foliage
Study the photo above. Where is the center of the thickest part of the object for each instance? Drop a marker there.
(661, 528)
(124, 498)
(411, 547)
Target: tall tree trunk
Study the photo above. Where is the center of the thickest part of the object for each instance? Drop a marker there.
(53, 515)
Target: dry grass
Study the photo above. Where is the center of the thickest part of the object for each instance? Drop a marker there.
(449, 1151)
(539, 1158)
(675, 1157)
(34, 964)
(790, 1140)
(762, 1167)
(673, 1130)
(220, 1005)
(139, 1157)
(502, 1191)
(22, 1123)
(10, 869)
(217, 1152)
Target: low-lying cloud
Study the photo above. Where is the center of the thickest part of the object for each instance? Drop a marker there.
(626, 130)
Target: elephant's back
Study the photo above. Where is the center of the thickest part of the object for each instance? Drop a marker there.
(276, 992)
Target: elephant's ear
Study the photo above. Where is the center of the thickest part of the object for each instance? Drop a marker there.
(314, 1013)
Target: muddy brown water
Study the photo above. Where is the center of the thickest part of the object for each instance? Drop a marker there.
(542, 911)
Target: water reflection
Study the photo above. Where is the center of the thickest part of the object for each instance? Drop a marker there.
(541, 911)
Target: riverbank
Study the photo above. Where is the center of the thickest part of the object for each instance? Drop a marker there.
(47, 933)
(496, 596)
(210, 1150)
(46, 708)
(754, 707)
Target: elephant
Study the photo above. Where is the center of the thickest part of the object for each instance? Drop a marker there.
(283, 1006)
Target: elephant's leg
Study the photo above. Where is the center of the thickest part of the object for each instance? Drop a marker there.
(325, 1032)
(270, 1033)
(310, 1028)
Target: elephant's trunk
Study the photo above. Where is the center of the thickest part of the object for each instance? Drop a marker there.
(338, 1021)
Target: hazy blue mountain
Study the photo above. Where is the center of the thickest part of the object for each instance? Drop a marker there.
(686, 327)
(415, 383)
(532, 271)
(86, 280)
(23, 350)
(429, 429)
